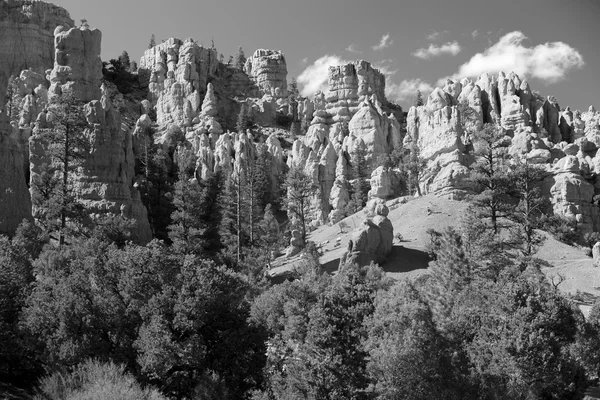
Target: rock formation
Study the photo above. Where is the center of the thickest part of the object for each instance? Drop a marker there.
(352, 116)
(177, 73)
(27, 37)
(373, 241)
(268, 70)
(105, 184)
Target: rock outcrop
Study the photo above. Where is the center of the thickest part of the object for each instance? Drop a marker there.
(27, 37)
(268, 70)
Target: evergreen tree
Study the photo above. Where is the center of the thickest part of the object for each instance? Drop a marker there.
(360, 185)
(235, 203)
(411, 167)
(124, 61)
(490, 174)
(12, 99)
(67, 146)
(186, 229)
(418, 99)
(240, 59)
(152, 41)
(293, 87)
(300, 191)
(244, 120)
(529, 213)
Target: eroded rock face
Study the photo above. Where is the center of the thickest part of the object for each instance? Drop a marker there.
(105, 184)
(77, 63)
(27, 37)
(177, 73)
(571, 195)
(268, 69)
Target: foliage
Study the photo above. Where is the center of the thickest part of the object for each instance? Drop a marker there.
(418, 101)
(152, 41)
(408, 357)
(491, 174)
(239, 59)
(293, 87)
(12, 98)
(360, 185)
(300, 190)
(591, 238)
(189, 326)
(245, 119)
(119, 71)
(66, 144)
(530, 211)
(94, 380)
(563, 229)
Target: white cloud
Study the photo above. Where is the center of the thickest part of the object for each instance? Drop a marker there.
(434, 50)
(475, 33)
(384, 42)
(549, 61)
(436, 35)
(407, 89)
(352, 49)
(315, 76)
(304, 60)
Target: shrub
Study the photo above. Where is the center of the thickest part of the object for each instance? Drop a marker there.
(94, 380)
(591, 238)
(562, 228)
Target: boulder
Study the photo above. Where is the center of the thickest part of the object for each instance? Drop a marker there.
(371, 242)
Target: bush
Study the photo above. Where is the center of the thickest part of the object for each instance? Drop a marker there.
(283, 120)
(591, 238)
(562, 228)
(94, 380)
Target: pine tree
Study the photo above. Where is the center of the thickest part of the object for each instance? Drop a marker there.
(300, 190)
(240, 59)
(152, 41)
(66, 146)
(233, 227)
(360, 185)
(490, 174)
(525, 179)
(418, 99)
(124, 61)
(186, 228)
(12, 99)
(411, 167)
(293, 87)
(244, 120)
(451, 272)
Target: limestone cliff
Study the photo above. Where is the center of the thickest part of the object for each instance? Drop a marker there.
(27, 37)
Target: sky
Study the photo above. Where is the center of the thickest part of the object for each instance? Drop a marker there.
(418, 44)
